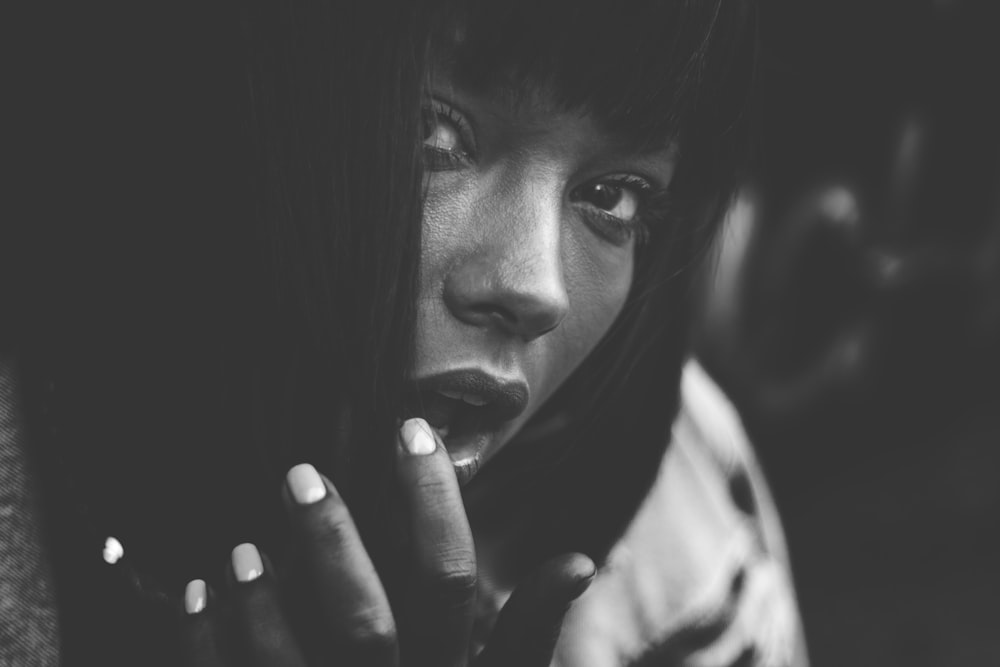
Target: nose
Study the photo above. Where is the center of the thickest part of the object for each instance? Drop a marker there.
(512, 279)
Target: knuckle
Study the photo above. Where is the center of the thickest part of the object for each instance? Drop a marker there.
(331, 515)
(430, 483)
(372, 634)
(328, 526)
(455, 579)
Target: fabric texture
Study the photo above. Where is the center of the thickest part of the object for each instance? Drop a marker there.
(28, 620)
(701, 577)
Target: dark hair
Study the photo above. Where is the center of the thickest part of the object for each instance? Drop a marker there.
(232, 259)
(299, 252)
(657, 72)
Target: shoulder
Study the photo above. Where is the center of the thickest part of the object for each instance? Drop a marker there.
(701, 575)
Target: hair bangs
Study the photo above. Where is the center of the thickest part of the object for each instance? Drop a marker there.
(639, 68)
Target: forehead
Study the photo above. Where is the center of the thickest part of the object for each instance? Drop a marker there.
(622, 75)
(538, 99)
(504, 92)
(652, 72)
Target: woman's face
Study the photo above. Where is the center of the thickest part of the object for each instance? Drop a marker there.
(531, 219)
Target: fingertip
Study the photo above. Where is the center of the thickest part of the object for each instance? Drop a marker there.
(195, 597)
(582, 571)
(572, 574)
(579, 566)
(246, 562)
(416, 437)
(305, 485)
(528, 626)
(201, 636)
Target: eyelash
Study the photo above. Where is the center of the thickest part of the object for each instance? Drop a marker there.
(438, 159)
(653, 202)
(653, 206)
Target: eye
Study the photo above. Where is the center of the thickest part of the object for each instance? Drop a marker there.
(447, 137)
(441, 136)
(615, 199)
(615, 206)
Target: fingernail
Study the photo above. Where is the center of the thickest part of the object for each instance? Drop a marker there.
(305, 484)
(582, 585)
(195, 596)
(247, 565)
(113, 550)
(584, 575)
(416, 437)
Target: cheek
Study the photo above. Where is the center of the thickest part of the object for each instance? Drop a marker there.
(447, 236)
(599, 279)
(443, 230)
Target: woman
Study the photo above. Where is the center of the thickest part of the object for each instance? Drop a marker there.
(573, 164)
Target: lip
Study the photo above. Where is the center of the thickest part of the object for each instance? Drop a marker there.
(506, 398)
(469, 429)
(466, 469)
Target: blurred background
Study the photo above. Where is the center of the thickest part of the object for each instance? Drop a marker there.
(852, 311)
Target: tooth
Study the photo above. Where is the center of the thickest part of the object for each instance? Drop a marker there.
(451, 394)
(473, 400)
(442, 431)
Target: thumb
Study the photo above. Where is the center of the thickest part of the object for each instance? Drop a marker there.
(528, 625)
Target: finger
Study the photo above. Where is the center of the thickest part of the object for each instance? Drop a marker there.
(440, 607)
(261, 631)
(201, 631)
(528, 625)
(355, 619)
(907, 175)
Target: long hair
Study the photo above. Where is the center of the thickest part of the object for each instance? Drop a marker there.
(231, 286)
(658, 73)
(224, 274)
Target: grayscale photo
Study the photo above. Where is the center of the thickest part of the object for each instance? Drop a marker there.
(501, 333)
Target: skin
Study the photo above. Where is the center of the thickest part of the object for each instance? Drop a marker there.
(520, 274)
(524, 270)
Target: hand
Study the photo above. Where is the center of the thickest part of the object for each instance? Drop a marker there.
(250, 624)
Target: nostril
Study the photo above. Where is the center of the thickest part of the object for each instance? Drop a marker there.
(519, 315)
(519, 323)
(523, 303)
(490, 314)
(539, 317)
(491, 310)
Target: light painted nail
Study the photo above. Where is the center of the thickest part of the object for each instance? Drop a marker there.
(247, 565)
(113, 550)
(305, 484)
(195, 596)
(417, 438)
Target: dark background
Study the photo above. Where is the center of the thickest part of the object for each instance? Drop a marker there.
(862, 344)
(861, 341)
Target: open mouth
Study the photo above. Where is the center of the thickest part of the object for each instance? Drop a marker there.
(467, 409)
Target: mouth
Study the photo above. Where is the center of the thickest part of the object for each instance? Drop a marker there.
(468, 409)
